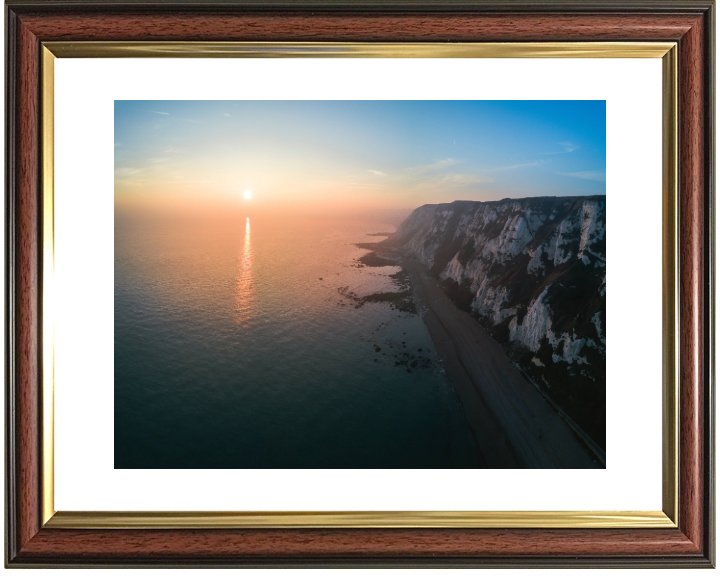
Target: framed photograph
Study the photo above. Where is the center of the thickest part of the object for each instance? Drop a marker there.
(346, 284)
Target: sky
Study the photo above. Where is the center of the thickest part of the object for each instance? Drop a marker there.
(327, 155)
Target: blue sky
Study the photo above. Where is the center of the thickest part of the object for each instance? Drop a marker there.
(395, 154)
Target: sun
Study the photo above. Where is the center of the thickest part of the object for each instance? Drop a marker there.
(247, 195)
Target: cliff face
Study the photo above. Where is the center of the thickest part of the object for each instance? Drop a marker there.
(533, 272)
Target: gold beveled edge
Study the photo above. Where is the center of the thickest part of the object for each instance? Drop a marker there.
(48, 272)
(389, 519)
(358, 50)
(670, 301)
(666, 518)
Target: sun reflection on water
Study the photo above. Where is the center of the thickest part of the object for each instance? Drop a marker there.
(244, 297)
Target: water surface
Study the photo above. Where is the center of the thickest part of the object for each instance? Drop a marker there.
(236, 348)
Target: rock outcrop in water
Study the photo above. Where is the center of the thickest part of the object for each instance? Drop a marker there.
(532, 271)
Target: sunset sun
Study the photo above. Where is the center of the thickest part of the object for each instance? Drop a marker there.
(247, 194)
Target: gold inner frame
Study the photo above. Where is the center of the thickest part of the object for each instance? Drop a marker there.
(665, 518)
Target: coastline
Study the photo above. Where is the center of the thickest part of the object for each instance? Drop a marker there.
(513, 424)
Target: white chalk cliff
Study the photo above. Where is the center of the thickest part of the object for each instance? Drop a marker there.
(533, 271)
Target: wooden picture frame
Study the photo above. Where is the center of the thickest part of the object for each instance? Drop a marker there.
(39, 30)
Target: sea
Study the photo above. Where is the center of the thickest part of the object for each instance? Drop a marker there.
(244, 342)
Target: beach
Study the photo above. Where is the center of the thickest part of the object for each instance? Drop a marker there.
(514, 425)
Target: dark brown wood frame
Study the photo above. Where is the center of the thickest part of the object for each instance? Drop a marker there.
(30, 23)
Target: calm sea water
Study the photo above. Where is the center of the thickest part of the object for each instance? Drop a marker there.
(234, 348)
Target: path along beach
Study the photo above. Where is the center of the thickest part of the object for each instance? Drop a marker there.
(513, 424)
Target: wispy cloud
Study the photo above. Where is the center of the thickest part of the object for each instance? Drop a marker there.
(436, 175)
(377, 173)
(226, 114)
(127, 172)
(190, 182)
(129, 176)
(597, 176)
(452, 181)
(342, 184)
(567, 147)
(459, 179)
(513, 166)
(437, 165)
(163, 113)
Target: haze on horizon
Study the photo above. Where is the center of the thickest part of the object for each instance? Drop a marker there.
(330, 156)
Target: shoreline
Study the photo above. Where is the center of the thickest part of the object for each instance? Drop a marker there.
(513, 424)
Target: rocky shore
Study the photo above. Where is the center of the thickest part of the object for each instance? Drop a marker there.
(513, 423)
